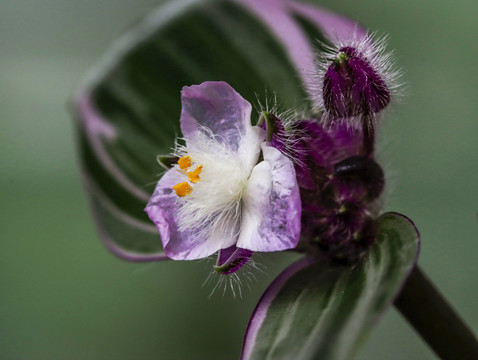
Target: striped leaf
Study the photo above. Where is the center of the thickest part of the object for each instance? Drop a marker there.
(128, 108)
(317, 310)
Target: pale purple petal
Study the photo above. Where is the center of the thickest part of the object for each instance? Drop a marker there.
(271, 205)
(250, 147)
(334, 26)
(218, 107)
(163, 208)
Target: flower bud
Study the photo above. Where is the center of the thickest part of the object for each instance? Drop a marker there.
(339, 188)
(356, 79)
(231, 259)
(352, 87)
(275, 130)
(346, 234)
(359, 177)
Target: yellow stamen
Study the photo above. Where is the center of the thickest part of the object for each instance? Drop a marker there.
(185, 162)
(193, 176)
(182, 189)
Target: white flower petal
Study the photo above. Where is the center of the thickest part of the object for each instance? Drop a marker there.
(271, 205)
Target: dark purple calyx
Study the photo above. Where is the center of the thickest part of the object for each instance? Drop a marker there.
(274, 128)
(338, 186)
(346, 233)
(231, 259)
(359, 177)
(352, 87)
(318, 148)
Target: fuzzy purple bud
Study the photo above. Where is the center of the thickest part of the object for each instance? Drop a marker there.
(352, 87)
(275, 130)
(231, 259)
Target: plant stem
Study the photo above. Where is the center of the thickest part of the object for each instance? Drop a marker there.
(368, 130)
(434, 319)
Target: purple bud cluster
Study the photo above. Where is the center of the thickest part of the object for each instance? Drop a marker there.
(340, 182)
(339, 188)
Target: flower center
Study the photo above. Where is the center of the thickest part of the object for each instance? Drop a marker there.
(184, 188)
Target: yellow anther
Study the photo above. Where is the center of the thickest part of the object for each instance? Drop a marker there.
(182, 189)
(185, 162)
(193, 176)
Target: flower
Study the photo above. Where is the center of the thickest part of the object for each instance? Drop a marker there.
(229, 191)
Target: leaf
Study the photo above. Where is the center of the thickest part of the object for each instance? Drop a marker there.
(318, 310)
(128, 107)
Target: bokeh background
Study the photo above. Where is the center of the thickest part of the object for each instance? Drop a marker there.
(63, 296)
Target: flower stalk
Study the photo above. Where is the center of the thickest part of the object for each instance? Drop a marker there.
(435, 320)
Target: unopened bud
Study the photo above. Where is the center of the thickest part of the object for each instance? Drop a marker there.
(352, 87)
(275, 130)
(360, 175)
(356, 80)
(231, 259)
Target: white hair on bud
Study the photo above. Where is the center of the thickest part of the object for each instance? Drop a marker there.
(289, 118)
(234, 282)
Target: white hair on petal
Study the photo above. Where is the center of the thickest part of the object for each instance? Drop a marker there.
(215, 202)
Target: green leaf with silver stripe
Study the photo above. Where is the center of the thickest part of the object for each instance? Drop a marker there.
(320, 310)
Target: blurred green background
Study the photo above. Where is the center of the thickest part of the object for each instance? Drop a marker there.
(63, 296)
